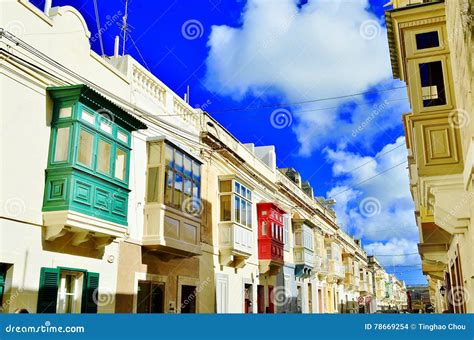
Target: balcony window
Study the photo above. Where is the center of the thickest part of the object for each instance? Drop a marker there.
(233, 192)
(86, 145)
(182, 177)
(432, 84)
(70, 288)
(427, 40)
(61, 148)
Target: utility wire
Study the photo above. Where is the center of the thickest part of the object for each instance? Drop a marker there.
(306, 101)
(370, 178)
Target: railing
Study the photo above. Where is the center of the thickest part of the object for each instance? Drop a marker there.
(148, 84)
(302, 195)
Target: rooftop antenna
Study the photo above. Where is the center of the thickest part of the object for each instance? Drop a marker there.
(124, 27)
(99, 29)
(186, 95)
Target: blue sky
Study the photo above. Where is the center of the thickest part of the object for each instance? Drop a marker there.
(242, 59)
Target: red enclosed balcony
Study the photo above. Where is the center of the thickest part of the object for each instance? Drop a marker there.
(270, 238)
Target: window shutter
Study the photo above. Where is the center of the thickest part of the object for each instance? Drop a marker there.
(90, 293)
(48, 290)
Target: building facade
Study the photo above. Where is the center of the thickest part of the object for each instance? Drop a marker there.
(431, 46)
(118, 196)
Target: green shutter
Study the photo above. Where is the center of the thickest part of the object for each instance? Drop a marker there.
(90, 293)
(3, 272)
(48, 290)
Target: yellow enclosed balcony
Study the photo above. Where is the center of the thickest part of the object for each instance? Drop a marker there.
(173, 205)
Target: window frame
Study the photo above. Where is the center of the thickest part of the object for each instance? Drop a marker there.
(416, 88)
(78, 291)
(76, 124)
(167, 169)
(237, 196)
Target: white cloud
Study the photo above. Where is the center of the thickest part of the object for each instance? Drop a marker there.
(324, 49)
(390, 250)
(372, 202)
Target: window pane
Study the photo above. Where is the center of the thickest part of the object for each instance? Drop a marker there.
(62, 144)
(249, 214)
(237, 187)
(169, 156)
(65, 112)
(122, 136)
(187, 166)
(88, 117)
(197, 171)
(187, 188)
(427, 40)
(178, 158)
(432, 84)
(103, 157)
(244, 212)
(178, 190)
(152, 189)
(86, 144)
(225, 208)
(225, 186)
(169, 187)
(120, 164)
(154, 154)
(237, 209)
(196, 190)
(264, 228)
(249, 195)
(106, 126)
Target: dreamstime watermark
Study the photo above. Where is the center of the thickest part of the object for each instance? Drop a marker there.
(370, 29)
(44, 328)
(281, 118)
(110, 21)
(192, 29)
(458, 296)
(104, 298)
(370, 207)
(192, 206)
(378, 109)
(458, 207)
(15, 27)
(459, 118)
(14, 206)
(204, 106)
(5, 305)
(280, 296)
(192, 297)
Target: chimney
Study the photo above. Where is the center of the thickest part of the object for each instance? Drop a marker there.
(116, 46)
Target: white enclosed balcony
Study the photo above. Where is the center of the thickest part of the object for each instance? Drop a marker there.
(235, 243)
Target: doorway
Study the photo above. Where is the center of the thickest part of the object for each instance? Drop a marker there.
(188, 299)
(248, 298)
(150, 297)
(260, 299)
